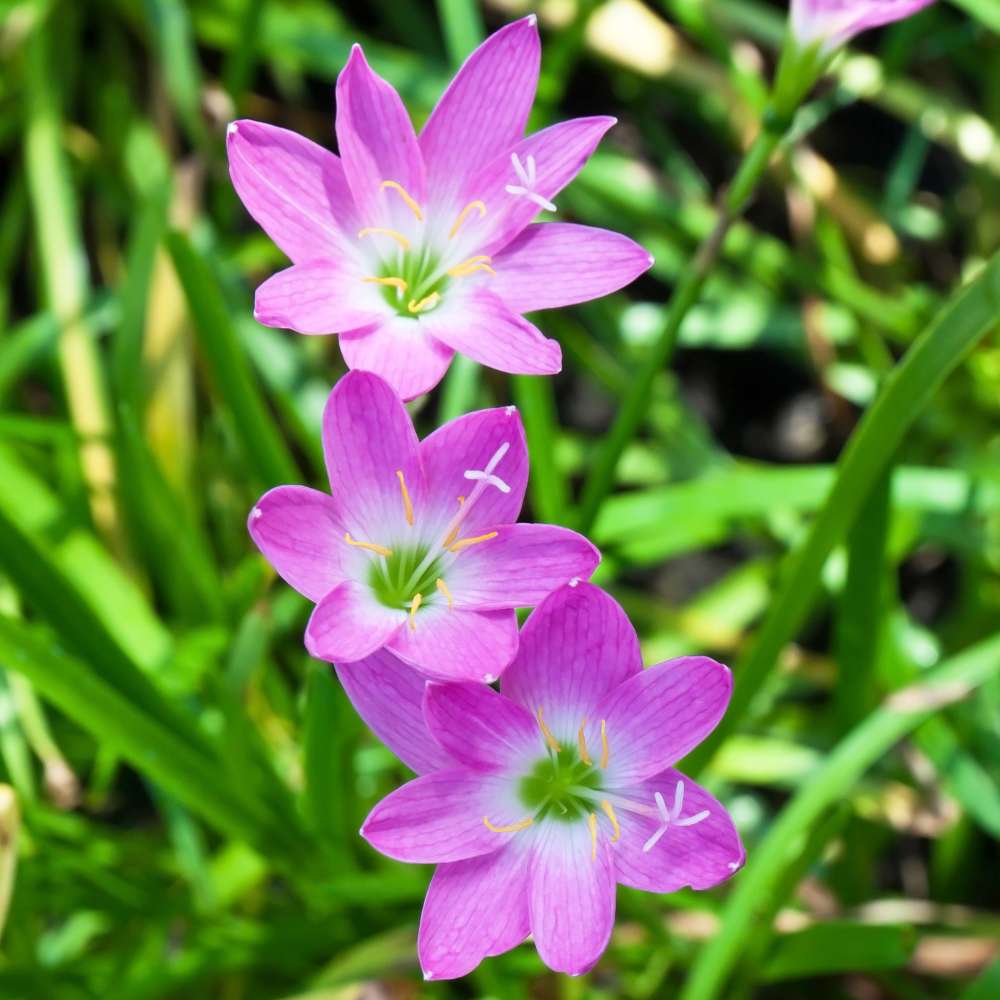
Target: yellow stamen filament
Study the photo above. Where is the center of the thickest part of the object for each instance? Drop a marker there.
(370, 546)
(398, 283)
(464, 543)
(512, 828)
(407, 503)
(398, 237)
(584, 756)
(478, 263)
(610, 813)
(414, 605)
(427, 302)
(405, 195)
(592, 823)
(443, 587)
(546, 732)
(477, 205)
(453, 534)
(605, 752)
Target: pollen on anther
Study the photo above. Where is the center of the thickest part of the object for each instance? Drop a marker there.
(582, 744)
(605, 751)
(592, 823)
(552, 742)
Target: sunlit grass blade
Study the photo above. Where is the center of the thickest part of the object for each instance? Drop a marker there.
(833, 780)
(970, 315)
(10, 828)
(63, 262)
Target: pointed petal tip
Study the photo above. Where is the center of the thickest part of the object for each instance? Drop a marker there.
(232, 128)
(532, 20)
(428, 975)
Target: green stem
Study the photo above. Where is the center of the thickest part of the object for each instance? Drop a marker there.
(686, 294)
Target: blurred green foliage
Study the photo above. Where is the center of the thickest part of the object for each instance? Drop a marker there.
(187, 785)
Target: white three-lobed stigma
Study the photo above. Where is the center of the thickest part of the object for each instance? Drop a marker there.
(672, 817)
(526, 174)
(486, 475)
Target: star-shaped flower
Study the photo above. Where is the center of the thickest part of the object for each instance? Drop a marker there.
(412, 248)
(417, 549)
(535, 801)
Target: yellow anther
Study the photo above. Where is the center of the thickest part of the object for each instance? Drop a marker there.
(398, 283)
(512, 828)
(371, 546)
(398, 237)
(478, 263)
(464, 543)
(407, 503)
(427, 302)
(592, 823)
(443, 587)
(605, 752)
(414, 606)
(610, 813)
(405, 195)
(478, 205)
(584, 756)
(546, 732)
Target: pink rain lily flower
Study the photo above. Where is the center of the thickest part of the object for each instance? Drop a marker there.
(412, 248)
(535, 801)
(416, 550)
(832, 23)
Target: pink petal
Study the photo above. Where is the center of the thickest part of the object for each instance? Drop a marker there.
(473, 909)
(572, 903)
(318, 296)
(388, 695)
(483, 112)
(560, 152)
(700, 856)
(440, 817)
(400, 351)
(835, 22)
(576, 646)
(558, 264)
(349, 624)
(467, 444)
(661, 714)
(368, 438)
(520, 567)
(480, 728)
(377, 144)
(482, 327)
(454, 645)
(295, 189)
(300, 533)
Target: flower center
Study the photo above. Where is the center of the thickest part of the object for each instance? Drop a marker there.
(553, 787)
(412, 270)
(392, 577)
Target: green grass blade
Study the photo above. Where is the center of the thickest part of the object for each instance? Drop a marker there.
(263, 448)
(971, 314)
(152, 746)
(861, 608)
(51, 595)
(536, 402)
(833, 780)
(462, 25)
